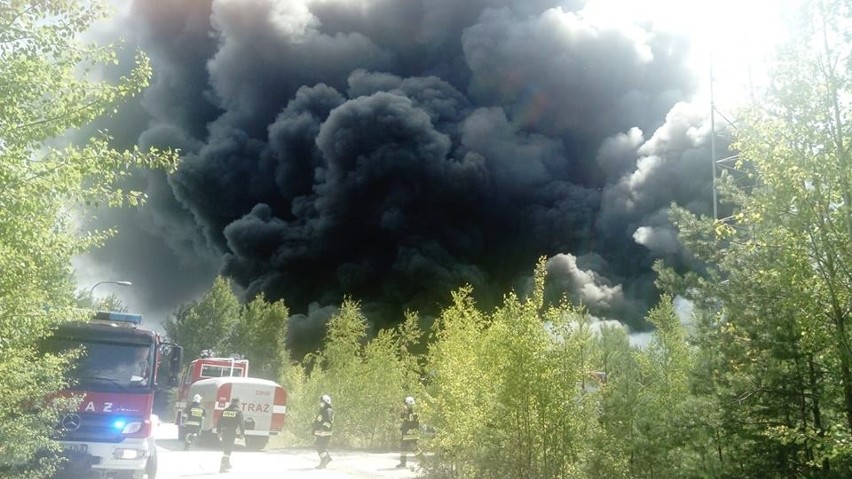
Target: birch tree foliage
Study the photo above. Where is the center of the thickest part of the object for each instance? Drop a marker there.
(47, 89)
(508, 396)
(367, 378)
(260, 334)
(799, 141)
(780, 280)
(460, 401)
(408, 336)
(208, 323)
(620, 395)
(663, 429)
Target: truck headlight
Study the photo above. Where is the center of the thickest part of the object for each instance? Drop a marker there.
(125, 426)
(131, 427)
(124, 453)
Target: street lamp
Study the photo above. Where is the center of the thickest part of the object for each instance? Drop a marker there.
(120, 283)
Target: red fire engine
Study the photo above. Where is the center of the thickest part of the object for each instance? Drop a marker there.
(121, 366)
(205, 367)
(218, 380)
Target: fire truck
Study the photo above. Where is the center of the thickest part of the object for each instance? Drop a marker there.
(120, 367)
(220, 379)
(263, 402)
(205, 367)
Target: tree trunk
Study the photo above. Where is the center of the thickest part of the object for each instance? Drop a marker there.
(845, 369)
(816, 392)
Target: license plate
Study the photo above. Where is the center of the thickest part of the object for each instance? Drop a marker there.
(75, 448)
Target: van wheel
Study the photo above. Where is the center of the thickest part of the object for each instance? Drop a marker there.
(256, 443)
(151, 466)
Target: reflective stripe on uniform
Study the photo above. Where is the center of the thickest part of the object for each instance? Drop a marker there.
(230, 420)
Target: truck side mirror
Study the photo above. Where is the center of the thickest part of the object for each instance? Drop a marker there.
(175, 362)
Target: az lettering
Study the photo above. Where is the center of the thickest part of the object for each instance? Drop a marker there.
(90, 407)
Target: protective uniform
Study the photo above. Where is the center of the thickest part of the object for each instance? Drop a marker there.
(323, 430)
(193, 418)
(231, 424)
(410, 431)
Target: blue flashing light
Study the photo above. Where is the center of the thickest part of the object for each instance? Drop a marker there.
(119, 424)
(119, 317)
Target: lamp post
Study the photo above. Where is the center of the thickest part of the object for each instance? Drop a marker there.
(120, 283)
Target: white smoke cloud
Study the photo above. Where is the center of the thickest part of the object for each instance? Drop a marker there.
(588, 287)
(658, 240)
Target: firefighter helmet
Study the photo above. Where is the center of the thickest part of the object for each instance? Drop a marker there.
(325, 399)
(409, 401)
(196, 398)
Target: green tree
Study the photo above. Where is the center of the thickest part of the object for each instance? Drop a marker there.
(459, 401)
(45, 91)
(207, 323)
(620, 395)
(663, 427)
(381, 390)
(408, 337)
(84, 299)
(334, 370)
(260, 335)
(365, 377)
(508, 398)
(779, 282)
(799, 143)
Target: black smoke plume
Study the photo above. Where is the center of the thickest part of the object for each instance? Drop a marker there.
(395, 150)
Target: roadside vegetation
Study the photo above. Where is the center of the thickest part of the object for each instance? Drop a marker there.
(48, 87)
(756, 382)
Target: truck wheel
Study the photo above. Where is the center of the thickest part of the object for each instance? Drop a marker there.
(256, 443)
(151, 466)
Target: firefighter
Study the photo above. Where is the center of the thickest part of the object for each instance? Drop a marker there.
(231, 426)
(322, 430)
(193, 417)
(137, 368)
(410, 431)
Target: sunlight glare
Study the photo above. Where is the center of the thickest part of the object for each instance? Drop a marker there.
(737, 36)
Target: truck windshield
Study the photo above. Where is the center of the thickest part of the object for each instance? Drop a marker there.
(214, 371)
(107, 366)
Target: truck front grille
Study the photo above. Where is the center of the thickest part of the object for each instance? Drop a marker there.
(92, 427)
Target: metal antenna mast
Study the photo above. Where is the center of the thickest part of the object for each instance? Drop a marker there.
(713, 141)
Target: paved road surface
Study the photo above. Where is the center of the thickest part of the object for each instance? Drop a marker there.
(176, 463)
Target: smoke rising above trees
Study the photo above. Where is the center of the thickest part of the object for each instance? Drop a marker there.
(393, 151)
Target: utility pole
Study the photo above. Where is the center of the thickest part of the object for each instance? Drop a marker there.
(713, 142)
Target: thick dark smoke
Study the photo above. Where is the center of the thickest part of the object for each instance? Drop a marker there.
(395, 150)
